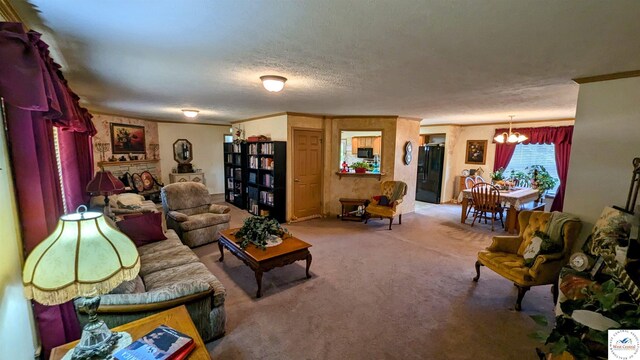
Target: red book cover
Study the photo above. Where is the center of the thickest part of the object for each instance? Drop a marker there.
(182, 354)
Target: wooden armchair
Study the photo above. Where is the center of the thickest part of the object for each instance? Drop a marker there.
(394, 191)
(505, 254)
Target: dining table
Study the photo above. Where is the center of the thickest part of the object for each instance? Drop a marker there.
(513, 200)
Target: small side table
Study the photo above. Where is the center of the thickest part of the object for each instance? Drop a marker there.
(177, 318)
(351, 210)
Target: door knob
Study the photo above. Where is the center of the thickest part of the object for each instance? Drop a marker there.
(296, 180)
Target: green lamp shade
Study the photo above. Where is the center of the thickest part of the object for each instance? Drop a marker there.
(84, 255)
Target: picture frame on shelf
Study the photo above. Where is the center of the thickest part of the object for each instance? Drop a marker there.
(476, 152)
(127, 139)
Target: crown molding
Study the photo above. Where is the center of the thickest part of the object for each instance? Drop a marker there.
(518, 123)
(258, 117)
(156, 120)
(9, 13)
(605, 77)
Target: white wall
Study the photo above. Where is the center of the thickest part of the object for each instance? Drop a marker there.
(606, 138)
(207, 143)
(274, 127)
(18, 339)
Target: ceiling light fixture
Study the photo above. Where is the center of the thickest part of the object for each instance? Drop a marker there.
(190, 113)
(273, 83)
(510, 137)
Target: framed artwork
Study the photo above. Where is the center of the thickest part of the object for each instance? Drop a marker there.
(127, 139)
(476, 152)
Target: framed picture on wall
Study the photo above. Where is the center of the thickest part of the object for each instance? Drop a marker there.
(127, 139)
(476, 152)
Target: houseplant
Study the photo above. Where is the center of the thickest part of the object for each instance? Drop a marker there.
(257, 230)
(541, 179)
(497, 175)
(361, 167)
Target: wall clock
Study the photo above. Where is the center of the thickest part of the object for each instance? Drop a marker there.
(408, 149)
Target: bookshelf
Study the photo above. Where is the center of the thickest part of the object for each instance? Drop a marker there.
(235, 174)
(266, 178)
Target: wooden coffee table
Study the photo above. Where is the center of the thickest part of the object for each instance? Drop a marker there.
(177, 318)
(260, 261)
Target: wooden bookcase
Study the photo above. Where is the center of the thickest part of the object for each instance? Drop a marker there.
(235, 174)
(266, 169)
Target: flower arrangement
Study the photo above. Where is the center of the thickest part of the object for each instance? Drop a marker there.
(361, 166)
(257, 229)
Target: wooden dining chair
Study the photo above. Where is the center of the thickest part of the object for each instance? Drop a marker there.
(486, 200)
(469, 182)
(478, 179)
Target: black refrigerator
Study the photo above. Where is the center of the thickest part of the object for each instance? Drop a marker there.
(430, 169)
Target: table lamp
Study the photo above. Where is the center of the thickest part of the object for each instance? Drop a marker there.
(104, 183)
(83, 257)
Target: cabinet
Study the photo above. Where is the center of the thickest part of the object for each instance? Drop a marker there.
(183, 177)
(266, 179)
(235, 163)
(374, 142)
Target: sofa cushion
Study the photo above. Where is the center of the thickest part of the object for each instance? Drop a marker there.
(380, 210)
(143, 229)
(219, 209)
(130, 287)
(172, 241)
(166, 258)
(195, 272)
(203, 220)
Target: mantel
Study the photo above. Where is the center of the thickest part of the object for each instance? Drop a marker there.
(353, 174)
(128, 162)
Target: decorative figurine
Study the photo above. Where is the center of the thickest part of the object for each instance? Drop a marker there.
(345, 167)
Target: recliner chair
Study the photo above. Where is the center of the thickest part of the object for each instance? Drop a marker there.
(189, 211)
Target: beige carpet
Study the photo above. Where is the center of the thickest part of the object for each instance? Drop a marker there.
(378, 294)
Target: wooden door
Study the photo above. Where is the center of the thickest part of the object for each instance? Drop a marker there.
(307, 173)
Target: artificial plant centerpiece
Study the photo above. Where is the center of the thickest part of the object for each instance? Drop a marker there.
(257, 230)
(541, 179)
(361, 167)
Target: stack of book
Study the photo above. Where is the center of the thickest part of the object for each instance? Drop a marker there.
(162, 343)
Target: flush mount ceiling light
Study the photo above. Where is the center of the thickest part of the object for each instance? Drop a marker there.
(511, 138)
(190, 113)
(273, 83)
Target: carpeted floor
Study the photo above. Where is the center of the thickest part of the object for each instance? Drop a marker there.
(378, 294)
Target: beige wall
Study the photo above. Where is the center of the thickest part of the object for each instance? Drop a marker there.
(18, 339)
(356, 187)
(605, 141)
(207, 143)
(274, 127)
(407, 130)
(456, 143)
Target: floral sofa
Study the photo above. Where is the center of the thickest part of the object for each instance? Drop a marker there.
(170, 275)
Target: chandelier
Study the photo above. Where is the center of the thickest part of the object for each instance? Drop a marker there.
(511, 137)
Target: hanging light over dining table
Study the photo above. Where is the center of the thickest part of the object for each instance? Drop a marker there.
(510, 137)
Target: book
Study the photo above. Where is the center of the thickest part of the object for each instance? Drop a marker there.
(162, 343)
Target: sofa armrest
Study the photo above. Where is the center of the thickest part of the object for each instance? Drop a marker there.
(178, 216)
(507, 244)
(157, 306)
(219, 209)
(547, 265)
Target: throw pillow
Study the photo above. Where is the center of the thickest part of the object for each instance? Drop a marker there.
(540, 244)
(382, 200)
(144, 229)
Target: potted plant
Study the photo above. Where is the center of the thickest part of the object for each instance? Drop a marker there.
(520, 178)
(541, 179)
(497, 175)
(257, 230)
(361, 167)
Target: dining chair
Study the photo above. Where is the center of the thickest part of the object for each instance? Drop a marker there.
(469, 182)
(478, 179)
(486, 200)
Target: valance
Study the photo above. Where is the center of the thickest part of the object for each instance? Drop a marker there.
(543, 135)
(31, 80)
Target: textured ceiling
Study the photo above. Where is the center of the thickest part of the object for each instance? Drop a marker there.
(441, 60)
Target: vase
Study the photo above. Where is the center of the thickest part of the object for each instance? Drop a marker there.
(360, 170)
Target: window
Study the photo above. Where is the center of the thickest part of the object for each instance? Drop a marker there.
(534, 154)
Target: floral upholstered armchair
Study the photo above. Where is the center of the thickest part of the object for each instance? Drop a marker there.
(189, 211)
(386, 204)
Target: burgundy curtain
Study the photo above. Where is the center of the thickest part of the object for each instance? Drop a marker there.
(561, 137)
(504, 152)
(37, 99)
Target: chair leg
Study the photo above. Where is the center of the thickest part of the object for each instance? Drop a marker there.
(400, 219)
(390, 222)
(366, 217)
(554, 292)
(493, 218)
(478, 264)
(521, 291)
